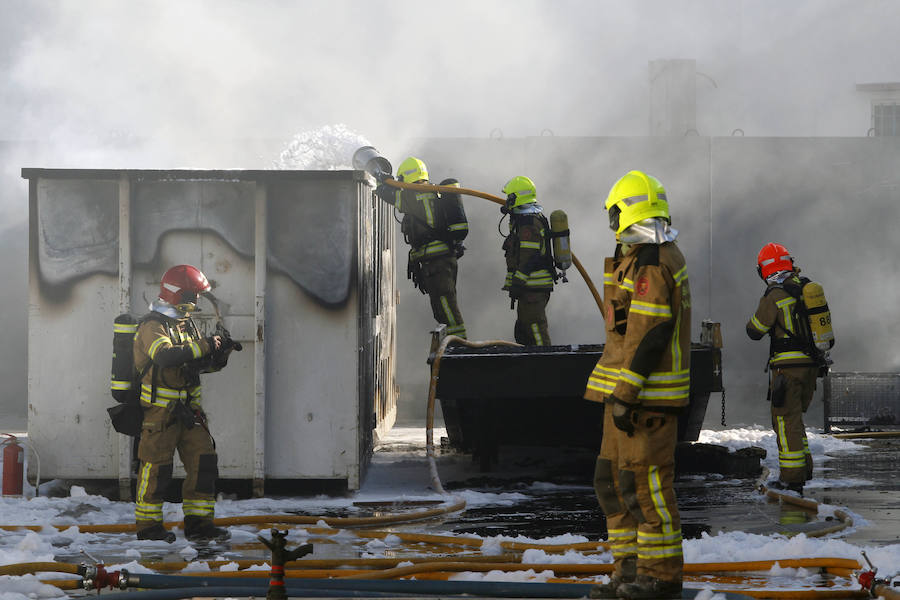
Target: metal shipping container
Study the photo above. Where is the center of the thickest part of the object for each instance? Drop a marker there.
(303, 262)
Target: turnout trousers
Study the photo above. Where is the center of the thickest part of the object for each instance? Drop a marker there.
(439, 282)
(531, 327)
(161, 436)
(634, 480)
(799, 383)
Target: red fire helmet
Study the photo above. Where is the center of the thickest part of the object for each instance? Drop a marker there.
(772, 259)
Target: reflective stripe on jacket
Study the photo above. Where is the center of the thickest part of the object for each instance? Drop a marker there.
(528, 254)
(171, 344)
(646, 358)
(777, 316)
(426, 231)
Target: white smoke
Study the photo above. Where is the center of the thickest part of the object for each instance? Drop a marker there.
(327, 148)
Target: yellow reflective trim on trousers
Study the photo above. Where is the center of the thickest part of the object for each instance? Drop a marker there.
(663, 552)
(143, 481)
(659, 538)
(200, 508)
(624, 551)
(445, 304)
(784, 459)
(799, 454)
(757, 324)
(659, 502)
(156, 344)
(620, 534)
(536, 334)
(148, 512)
(649, 308)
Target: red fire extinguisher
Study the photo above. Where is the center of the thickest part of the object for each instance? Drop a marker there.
(13, 466)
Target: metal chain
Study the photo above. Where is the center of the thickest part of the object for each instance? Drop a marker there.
(723, 408)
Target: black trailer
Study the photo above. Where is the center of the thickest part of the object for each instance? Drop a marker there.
(532, 396)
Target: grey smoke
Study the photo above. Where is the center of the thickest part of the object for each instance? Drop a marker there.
(229, 84)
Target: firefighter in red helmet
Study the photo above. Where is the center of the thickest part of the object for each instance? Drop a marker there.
(797, 354)
(170, 353)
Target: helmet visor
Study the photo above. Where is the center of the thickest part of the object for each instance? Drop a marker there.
(614, 212)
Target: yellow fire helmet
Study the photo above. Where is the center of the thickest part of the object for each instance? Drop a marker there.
(635, 197)
(519, 191)
(412, 170)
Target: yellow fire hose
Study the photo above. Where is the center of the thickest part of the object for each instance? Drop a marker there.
(449, 189)
(432, 389)
(265, 521)
(844, 519)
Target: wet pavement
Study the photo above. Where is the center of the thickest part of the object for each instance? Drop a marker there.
(560, 499)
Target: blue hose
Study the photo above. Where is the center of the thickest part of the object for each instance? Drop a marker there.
(354, 588)
(497, 589)
(235, 591)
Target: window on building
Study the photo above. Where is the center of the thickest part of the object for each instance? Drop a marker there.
(884, 98)
(885, 118)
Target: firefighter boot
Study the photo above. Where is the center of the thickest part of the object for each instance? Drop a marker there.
(626, 575)
(645, 587)
(201, 529)
(156, 532)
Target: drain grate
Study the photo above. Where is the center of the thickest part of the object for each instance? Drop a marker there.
(857, 401)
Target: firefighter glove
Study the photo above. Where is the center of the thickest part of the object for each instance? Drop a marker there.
(516, 291)
(624, 415)
(385, 192)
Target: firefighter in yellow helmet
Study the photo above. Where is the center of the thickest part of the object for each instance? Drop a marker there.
(794, 359)
(170, 353)
(529, 263)
(643, 379)
(434, 225)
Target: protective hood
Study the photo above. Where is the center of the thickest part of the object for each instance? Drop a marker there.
(164, 308)
(778, 277)
(654, 230)
(528, 209)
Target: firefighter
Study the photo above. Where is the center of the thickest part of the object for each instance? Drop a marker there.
(434, 225)
(170, 353)
(643, 379)
(529, 263)
(792, 363)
